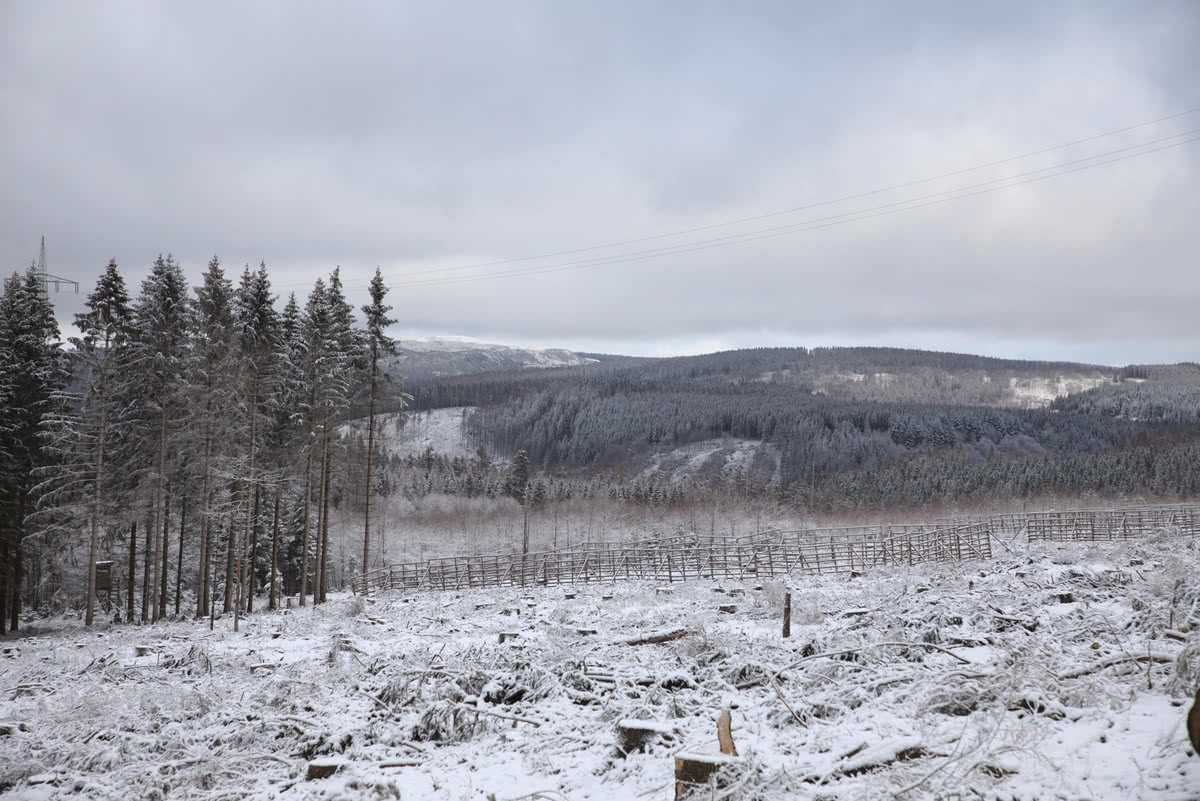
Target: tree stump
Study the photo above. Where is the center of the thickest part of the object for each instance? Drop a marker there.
(324, 768)
(696, 774)
(787, 615)
(635, 735)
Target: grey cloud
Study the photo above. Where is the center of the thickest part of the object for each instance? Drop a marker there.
(420, 137)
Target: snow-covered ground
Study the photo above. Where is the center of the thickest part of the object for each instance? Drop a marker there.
(440, 429)
(1037, 393)
(1056, 672)
(721, 459)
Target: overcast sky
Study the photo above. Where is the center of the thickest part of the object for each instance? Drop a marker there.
(452, 143)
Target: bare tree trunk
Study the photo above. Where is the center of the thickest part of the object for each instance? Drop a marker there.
(252, 492)
(166, 562)
(4, 571)
(159, 496)
(307, 508)
(205, 514)
(228, 605)
(370, 453)
(146, 559)
(271, 603)
(253, 558)
(129, 606)
(179, 561)
(97, 505)
(326, 480)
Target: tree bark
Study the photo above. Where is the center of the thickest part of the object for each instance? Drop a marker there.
(160, 489)
(271, 602)
(205, 514)
(228, 605)
(179, 557)
(370, 453)
(146, 559)
(326, 480)
(166, 562)
(252, 559)
(130, 609)
(97, 504)
(4, 571)
(307, 508)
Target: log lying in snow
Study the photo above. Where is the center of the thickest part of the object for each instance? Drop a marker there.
(635, 735)
(508, 635)
(324, 768)
(654, 639)
(695, 773)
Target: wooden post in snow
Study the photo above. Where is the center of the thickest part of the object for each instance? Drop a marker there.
(787, 615)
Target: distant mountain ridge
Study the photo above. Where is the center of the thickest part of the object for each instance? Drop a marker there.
(434, 357)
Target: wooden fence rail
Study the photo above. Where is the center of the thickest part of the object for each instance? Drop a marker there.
(823, 551)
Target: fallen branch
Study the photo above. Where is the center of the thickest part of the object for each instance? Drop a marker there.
(502, 716)
(829, 654)
(1114, 661)
(654, 639)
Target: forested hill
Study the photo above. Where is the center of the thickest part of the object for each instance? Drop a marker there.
(871, 374)
(831, 417)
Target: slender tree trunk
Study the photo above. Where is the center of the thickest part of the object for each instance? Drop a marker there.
(326, 481)
(179, 557)
(251, 581)
(147, 558)
(129, 605)
(307, 508)
(252, 491)
(18, 567)
(97, 505)
(4, 571)
(166, 562)
(274, 550)
(370, 453)
(159, 518)
(205, 513)
(228, 605)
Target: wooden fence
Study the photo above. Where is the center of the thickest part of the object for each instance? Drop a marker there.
(777, 553)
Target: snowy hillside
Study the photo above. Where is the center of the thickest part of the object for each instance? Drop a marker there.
(440, 429)
(449, 356)
(1052, 672)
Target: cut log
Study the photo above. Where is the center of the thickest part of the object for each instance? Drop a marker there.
(585, 632)
(324, 768)
(725, 733)
(570, 596)
(635, 735)
(399, 763)
(510, 611)
(727, 609)
(508, 635)
(1193, 723)
(696, 774)
(654, 639)
(263, 666)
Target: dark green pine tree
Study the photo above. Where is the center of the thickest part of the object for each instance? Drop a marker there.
(214, 371)
(32, 369)
(81, 437)
(257, 325)
(156, 388)
(379, 344)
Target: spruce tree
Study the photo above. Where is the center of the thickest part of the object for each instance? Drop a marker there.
(32, 368)
(213, 374)
(157, 384)
(378, 344)
(81, 438)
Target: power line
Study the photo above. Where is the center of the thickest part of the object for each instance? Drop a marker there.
(922, 201)
(809, 206)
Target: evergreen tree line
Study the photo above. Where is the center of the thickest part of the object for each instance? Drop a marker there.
(198, 422)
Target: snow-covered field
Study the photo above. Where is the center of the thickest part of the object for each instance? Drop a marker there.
(1056, 672)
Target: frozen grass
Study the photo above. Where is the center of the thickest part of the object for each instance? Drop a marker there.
(1060, 672)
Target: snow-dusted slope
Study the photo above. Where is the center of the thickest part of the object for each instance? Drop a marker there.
(443, 356)
(440, 429)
